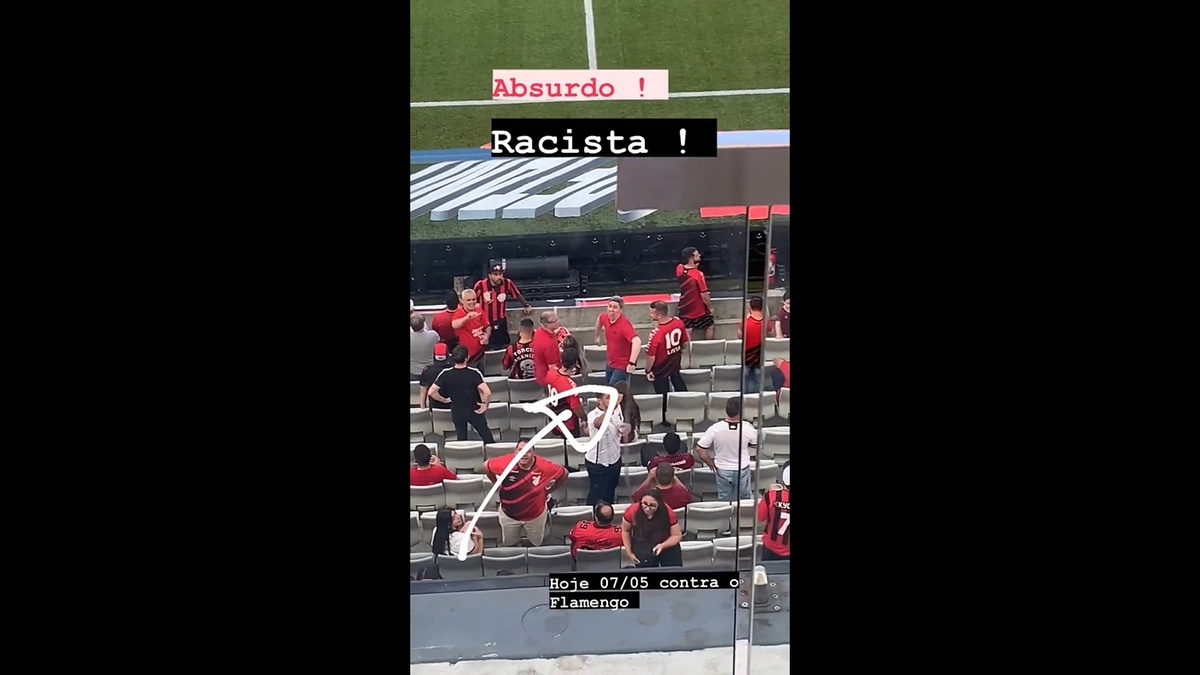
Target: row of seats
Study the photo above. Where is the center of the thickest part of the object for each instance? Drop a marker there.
(696, 354)
(687, 411)
(469, 456)
(702, 380)
(723, 553)
(700, 521)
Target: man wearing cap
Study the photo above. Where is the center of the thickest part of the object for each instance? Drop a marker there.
(624, 345)
(494, 293)
(430, 373)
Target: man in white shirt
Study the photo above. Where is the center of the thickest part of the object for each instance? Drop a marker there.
(603, 462)
(725, 448)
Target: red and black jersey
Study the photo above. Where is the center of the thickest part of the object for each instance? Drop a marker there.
(489, 297)
(523, 491)
(691, 286)
(590, 536)
(518, 360)
(775, 510)
(665, 346)
(752, 341)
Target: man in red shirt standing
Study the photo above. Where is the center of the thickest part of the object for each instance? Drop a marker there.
(600, 534)
(545, 347)
(523, 493)
(494, 292)
(441, 322)
(775, 510)
(624, 345)
(558, 381)
(751, 335)
(695, 303)
(471, 327)
(664, 355)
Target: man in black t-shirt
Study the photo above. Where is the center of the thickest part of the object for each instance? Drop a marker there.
(463, 388)
(430, 373)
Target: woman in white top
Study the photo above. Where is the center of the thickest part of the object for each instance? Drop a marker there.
(450, 535)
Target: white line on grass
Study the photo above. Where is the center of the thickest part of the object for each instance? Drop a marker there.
(590, 20)
(682, 94)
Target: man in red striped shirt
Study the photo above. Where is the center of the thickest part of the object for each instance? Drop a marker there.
(524, 492)
(751, 335)
(775, 510)
(695, 303)
(494, 292)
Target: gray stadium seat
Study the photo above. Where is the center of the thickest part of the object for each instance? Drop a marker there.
(607, 560)
(525, 423)
(525, 391)
(631, 453)
(577, 488)
(443, 423)
(707, 520)
(632, 478)
(564, 518)
(638, 384)
(596, 379)
(552, 448)
(777, 348)
(784, 405)
(716, 404)
(597, 357)
(681, 512)
(499, 386)
(547, 559)
(697, 379)
(414, 529)
(489, 525)
(650, 410)
(463, 456)
(685, 409)
(414, 394)
(727, 378)
(696, 553)
(426, 498)
(733, 352)
(775, 440)
(420, 424)
(750, 410)
(746, 515)
(493, 363)
(494, 450)
(451, 568)
(731, 551)
(769, 404)
(511, 558)
(766, 472)
(706, 353)
(465, 494)
(428, 520)
(419, 561)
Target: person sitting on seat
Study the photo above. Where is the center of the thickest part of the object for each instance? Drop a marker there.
(451, 536)
(600, 534)
(429, 469)
(672, 453)
(663, 479)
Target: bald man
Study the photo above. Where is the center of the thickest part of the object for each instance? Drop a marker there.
(471, 328)
(546, 357)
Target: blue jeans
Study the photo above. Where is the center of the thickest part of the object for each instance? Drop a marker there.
(613, 376)
(733, 484)
(751, 380)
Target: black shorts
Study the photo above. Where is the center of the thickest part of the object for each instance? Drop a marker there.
(698, 324)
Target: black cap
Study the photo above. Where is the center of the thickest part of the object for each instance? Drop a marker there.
(497, 268)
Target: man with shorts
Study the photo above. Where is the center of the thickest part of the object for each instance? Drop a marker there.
(695, 302)
(524, 492)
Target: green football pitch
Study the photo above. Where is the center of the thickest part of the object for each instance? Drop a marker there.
(720, 55)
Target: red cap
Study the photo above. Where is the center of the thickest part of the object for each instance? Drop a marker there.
(439, 350)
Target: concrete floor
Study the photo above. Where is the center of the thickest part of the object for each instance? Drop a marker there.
(766, 661)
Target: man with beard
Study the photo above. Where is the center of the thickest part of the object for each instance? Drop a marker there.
(494, 292)
(664, 355)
